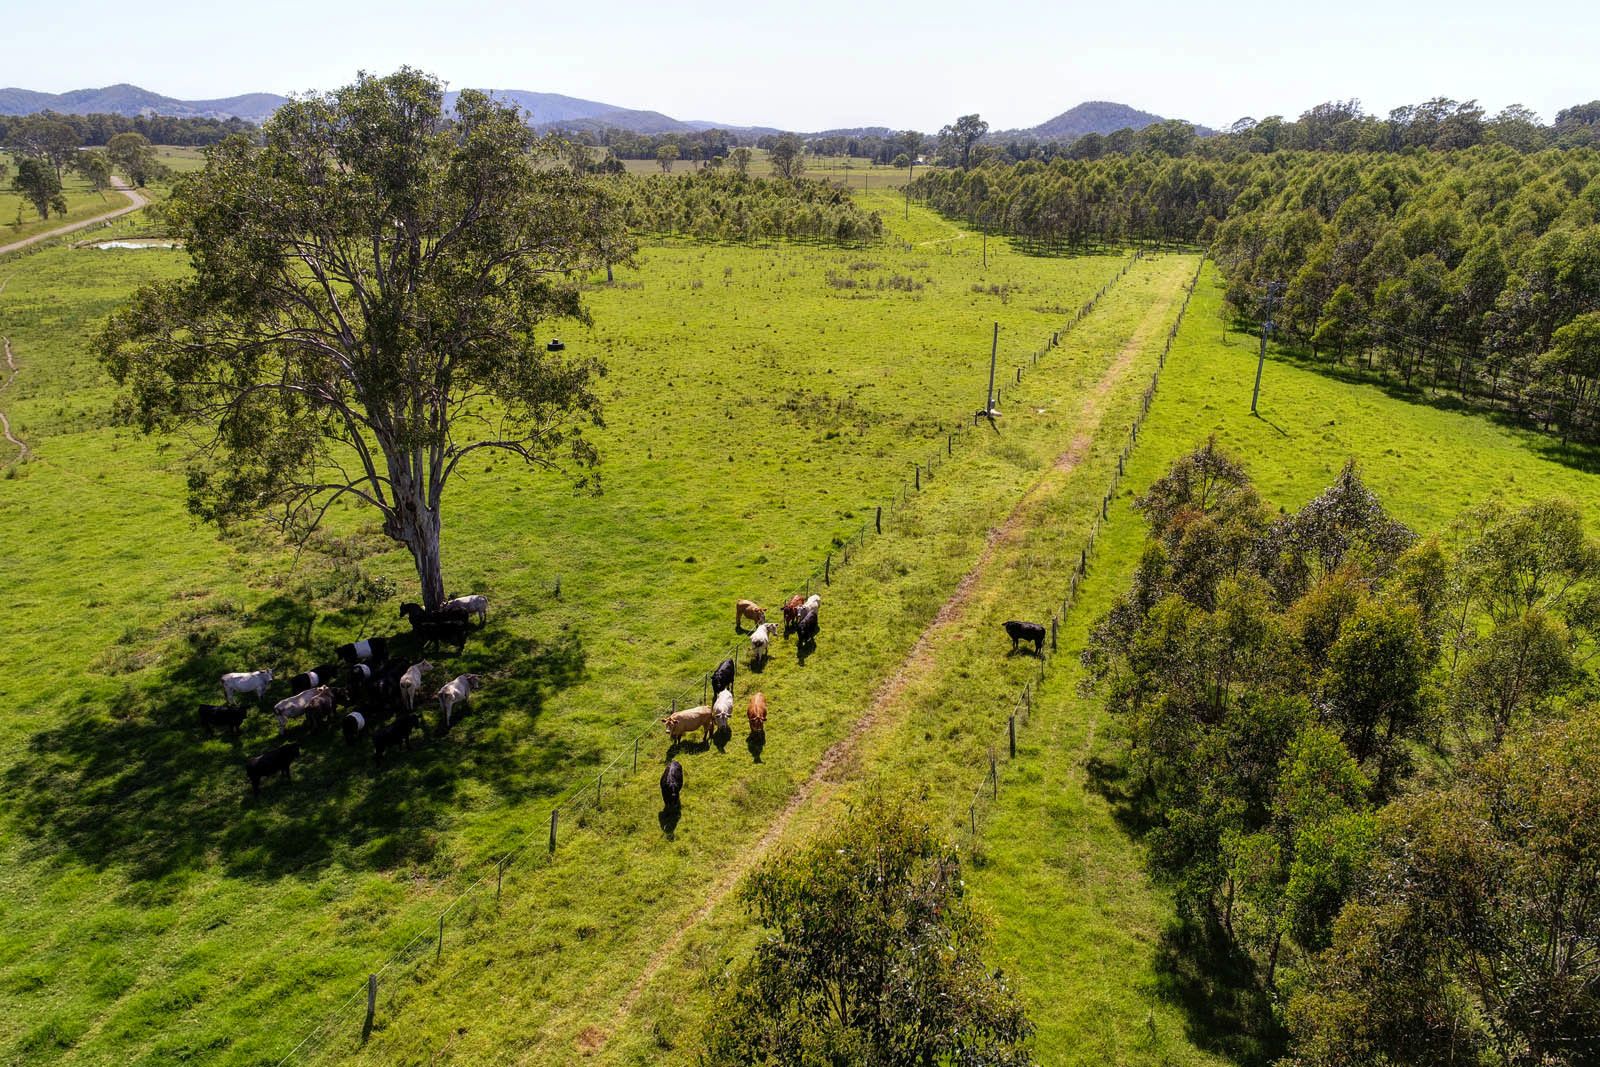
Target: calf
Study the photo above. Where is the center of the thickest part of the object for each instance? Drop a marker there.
(228, 716)
(372, 650)
(456, 691)
(1026, 631)
(807, 626)
(760, 643)
(397, 733)
(757, 713)
(323, 675)
(314, 704)
(791, 612)
(722, 677)
(681, 723)
(671, 784)
(273, 761)
(475, 604)
(253, 682)
(748, 609)
(722, 708)
(411, 682)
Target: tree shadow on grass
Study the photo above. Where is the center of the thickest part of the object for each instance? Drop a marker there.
(131, 781)
(1228, 1011)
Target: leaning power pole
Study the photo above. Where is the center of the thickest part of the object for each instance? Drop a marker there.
(1266, 328)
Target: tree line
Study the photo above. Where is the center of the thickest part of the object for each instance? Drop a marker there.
(724, 205)
(1370, 762)
(98, 129)
(1475, 271)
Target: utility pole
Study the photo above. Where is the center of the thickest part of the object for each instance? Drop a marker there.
(1266, 328)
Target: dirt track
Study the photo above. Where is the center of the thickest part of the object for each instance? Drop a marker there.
(136, 200)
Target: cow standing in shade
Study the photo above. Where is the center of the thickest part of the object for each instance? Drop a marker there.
(273, 761)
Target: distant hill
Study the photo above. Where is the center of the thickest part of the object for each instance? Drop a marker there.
(1094, 116)
(130, 100)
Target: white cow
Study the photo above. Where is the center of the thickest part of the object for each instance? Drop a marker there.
(456, 691)
(313, 704)
(812, 602)
(476, 604)
(760, 642)
(411, 683)
(253, 682)
(722, 707)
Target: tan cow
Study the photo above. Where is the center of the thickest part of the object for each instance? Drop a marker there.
(757, 713)
(748, 609)
(681, 723)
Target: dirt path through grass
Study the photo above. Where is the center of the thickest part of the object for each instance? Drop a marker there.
(136, 200)
(11, 375)
(820, 785)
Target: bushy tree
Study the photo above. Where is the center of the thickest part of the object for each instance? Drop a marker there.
(871, 955)
(39, 185)
(362, 313)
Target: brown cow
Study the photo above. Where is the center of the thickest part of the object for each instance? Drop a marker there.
(757, 713)
(680, 723)
(791, 612)
(748, 609)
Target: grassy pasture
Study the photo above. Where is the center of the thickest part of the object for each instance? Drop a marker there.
(18, 220)
(757, 409)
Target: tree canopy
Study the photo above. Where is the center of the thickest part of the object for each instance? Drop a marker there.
(362, 313)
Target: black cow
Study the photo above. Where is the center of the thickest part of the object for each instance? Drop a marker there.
(671, 784)
(228, 716)
(722, 677)
(372, 650)
(395, 733)
(326, 674)
(807, 627)
(1026, 631)
(273, 761)
(437, 628)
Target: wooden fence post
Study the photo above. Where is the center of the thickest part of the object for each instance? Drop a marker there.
(635, 753)
(918, 466)
(827, 569)
(438, 948)
(499, 876)
(598, 779)
(1012, 725)
(553, 813)
(1054, 626)
(879, 519)
(372, 1007)
(972, 816)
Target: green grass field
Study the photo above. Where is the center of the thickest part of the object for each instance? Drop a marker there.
(18, 219)
(761, 401)
(757, 411)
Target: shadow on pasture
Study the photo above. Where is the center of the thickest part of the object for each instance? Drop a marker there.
(1130, 804)
(668, 818)
(1281, 431)
(721, 736)
(129, 779)
(803, 651)
(755, 743)
(684, 745)
(1227, 1009)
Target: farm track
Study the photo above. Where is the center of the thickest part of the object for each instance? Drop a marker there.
(11, 376)
(825, 778)
(136, 200)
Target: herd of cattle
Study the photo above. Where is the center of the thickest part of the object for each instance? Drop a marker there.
(800, 617)
(377, 693)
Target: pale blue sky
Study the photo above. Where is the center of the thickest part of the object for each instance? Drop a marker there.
(816, 64)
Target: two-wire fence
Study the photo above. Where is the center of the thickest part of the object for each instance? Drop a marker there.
(461, 921)
(1004, 752)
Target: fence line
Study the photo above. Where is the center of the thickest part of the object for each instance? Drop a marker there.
(987, 791)
(575, 803)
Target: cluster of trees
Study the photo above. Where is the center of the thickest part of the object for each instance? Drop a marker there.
(97, 130)
(872, 956)
(723, 205)
(48, 146)
(1476, 271)
(1369, 764)
(703, 146)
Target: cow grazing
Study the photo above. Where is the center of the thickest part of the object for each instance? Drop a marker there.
(314, 705)
(671, 784)
(757, 713)
(791, 612)
(681, 723)
(474, 604)
(1026, 631)
(722, 708)
(323, 675)
(394, 734)
(722, 677)
(807, 626)
(253, 682)
(228, 716)
(411, 683)
(371, 650)
(457, 691)
(760, 643)
(748, 609)
(273, 761)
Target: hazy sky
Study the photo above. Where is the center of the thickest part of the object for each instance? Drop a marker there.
(828, 63)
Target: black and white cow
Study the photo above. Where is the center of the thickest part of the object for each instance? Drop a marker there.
(326, 674)
(371, 650)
